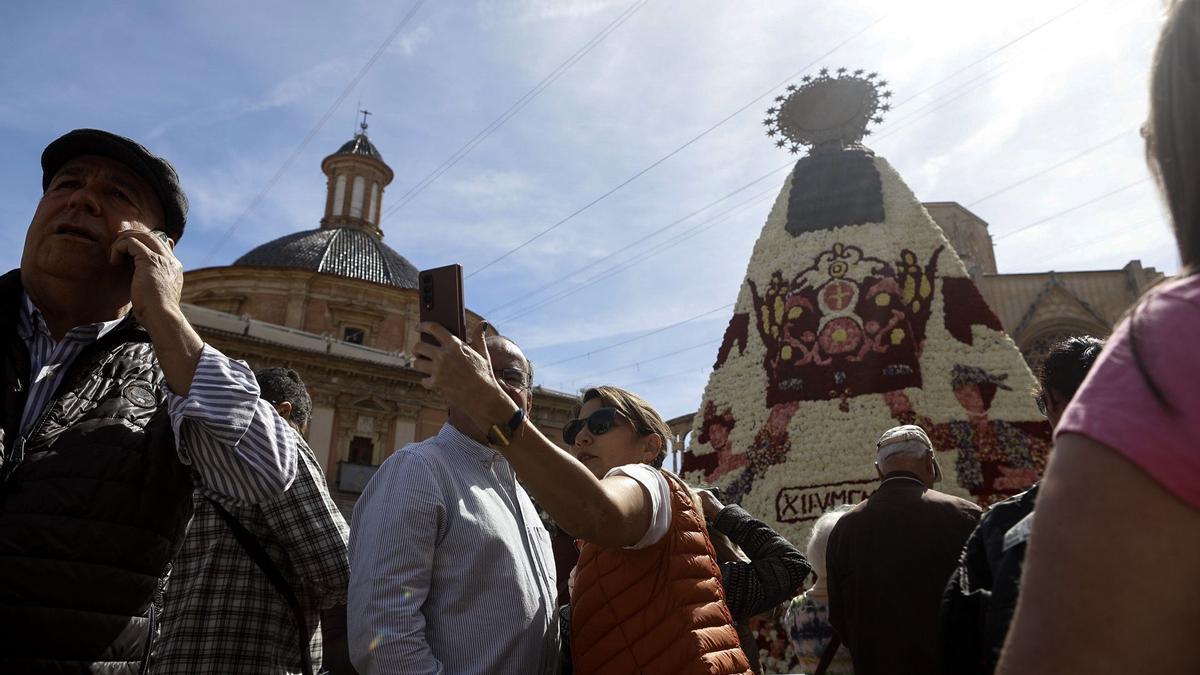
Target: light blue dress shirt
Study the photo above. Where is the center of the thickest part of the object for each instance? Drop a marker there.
(451, 570)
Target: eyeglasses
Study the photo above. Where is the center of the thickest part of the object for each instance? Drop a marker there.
(1040, 399)
(599, 423)
(514, 377)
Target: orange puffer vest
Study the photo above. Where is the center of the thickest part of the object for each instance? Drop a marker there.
(657, 610)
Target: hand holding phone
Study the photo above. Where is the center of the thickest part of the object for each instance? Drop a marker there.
(163, 237)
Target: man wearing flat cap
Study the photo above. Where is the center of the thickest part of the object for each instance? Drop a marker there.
(889, 559)
(112, 410)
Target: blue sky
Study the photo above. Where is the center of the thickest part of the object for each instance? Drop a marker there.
(228, 91)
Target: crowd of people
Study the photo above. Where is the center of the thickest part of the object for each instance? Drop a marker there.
(160, 511)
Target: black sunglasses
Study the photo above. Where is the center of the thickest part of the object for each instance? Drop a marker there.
(599, 423)
(1040, 398)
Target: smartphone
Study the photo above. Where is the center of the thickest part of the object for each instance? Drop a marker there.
(441, 292)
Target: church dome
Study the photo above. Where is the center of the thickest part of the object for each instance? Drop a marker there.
(342, 251)
(360, 145)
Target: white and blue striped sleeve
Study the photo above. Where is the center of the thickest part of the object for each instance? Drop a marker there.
(236, 442)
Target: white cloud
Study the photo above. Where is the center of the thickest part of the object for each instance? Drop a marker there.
(494, 188)
(409, 42)
(543, 10)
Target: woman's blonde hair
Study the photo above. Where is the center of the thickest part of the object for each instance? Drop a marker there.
(645, 418)
(1172, 133)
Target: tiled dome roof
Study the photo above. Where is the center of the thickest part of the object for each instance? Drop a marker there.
(342, 251)
(360, 145)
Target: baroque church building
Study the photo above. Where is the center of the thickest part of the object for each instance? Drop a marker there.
(340, 307)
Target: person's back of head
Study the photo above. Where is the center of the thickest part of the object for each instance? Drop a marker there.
(283, 388)
(1063, 371)
(818, 540)
(907, 448)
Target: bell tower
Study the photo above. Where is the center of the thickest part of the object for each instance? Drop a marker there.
(357, 177)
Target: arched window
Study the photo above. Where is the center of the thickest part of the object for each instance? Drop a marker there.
(356, 197)
(374, 202)
(339, 195)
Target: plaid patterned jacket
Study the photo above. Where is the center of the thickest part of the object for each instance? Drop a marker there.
(220, 612)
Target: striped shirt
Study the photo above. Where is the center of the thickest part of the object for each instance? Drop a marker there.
(237, 444)
(451, 570)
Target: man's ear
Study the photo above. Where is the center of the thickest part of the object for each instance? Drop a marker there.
(285, 409)
(654, 445)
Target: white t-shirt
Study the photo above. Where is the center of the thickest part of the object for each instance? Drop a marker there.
(654, 483)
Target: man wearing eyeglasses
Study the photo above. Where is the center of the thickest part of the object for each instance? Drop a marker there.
(451, 568)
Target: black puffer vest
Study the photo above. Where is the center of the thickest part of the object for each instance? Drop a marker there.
(94, 504)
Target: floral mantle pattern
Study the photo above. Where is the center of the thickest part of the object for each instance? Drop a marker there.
(842, 332)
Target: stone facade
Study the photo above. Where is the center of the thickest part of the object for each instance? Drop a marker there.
(1037, 309)
(366, 402)
(969, 235)
(372, 314)
(342, 310)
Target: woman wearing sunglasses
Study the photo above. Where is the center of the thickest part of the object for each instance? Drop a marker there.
(647, 595)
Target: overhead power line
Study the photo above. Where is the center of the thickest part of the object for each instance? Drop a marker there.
(659, 248)
(674, 152)
(662, 246)
(928, 108)
(1072, 158)
(638, 364)
(512, 110)
(1025, 227)
(896, 125)
(559, 280)
(1020, 229)
(681, 373)
(944, 101)
(1069, 210)
(990, 54)
(995, 51)
(1088, 244)
(555, 284)
(643, 336)
(337, 102)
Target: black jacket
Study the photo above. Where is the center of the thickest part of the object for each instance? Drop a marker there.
(776, 570)
(92, 509)
(888, 560)
(981, 597)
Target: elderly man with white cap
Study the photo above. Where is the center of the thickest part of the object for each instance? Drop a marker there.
(890, 557)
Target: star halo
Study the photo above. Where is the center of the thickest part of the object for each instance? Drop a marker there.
(830, 110)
